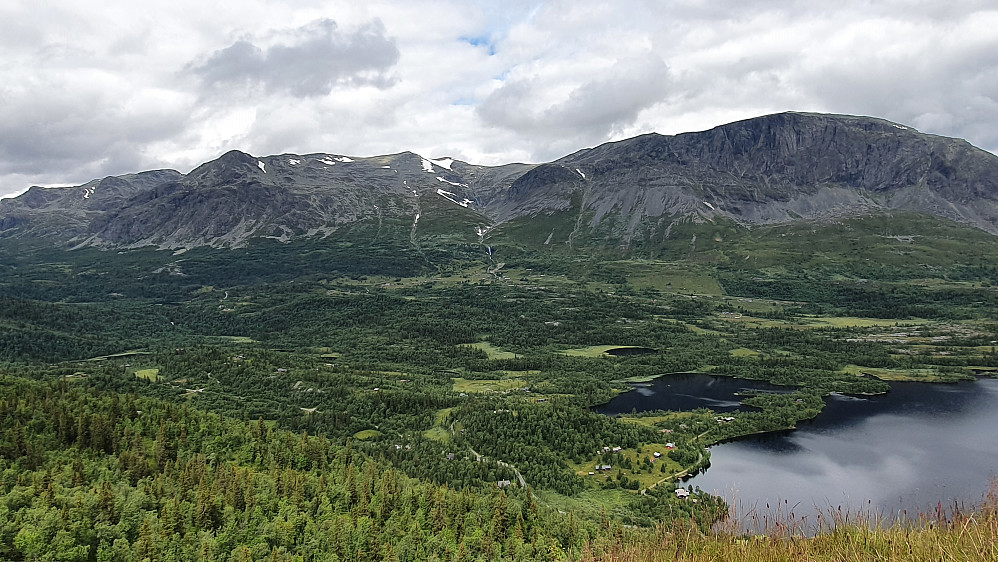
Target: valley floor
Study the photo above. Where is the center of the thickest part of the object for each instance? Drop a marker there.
(468, 394)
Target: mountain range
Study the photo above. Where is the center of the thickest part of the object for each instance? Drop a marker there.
(775, 169)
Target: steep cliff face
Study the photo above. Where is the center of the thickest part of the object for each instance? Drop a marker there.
(773, 169)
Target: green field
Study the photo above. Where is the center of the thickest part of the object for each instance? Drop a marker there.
(501, 385)
(593, 350)
(492, 351)
(915, 375)
(151, 375)
(668, 277)
(440, 432)
(239, 339)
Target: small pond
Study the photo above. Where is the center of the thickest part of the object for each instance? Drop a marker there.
(631, 350)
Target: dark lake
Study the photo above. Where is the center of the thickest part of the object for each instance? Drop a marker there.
(685, 391)
(906, 451)
(626, 351)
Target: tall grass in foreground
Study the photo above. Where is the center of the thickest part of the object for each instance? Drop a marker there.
(938, 536)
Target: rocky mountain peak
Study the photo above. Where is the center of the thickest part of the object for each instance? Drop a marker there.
(771, 169)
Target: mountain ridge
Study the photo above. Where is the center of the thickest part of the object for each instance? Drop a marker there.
(778, 168)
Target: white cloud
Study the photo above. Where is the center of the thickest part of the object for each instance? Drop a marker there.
(95, 88)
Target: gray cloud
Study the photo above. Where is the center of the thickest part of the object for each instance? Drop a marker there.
(79, 130)
(592, 110)
(318, 58)
(936, 90)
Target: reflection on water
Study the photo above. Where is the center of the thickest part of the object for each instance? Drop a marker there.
(904, 451)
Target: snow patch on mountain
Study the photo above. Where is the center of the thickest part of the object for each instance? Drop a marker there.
(262, 166)
(452, 183)
(451, 197)
(443, 162)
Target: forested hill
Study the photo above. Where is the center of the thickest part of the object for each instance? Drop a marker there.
(104, 476)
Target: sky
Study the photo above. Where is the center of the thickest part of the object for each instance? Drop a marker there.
(92, 88)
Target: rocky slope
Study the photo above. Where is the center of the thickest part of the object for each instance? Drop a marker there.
(772, 169)
(67, 212)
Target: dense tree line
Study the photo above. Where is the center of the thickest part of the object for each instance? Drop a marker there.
(869, 299)
(98, 476)
(536, 438)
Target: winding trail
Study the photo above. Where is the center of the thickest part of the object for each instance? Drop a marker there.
(479, 457)
(681, 473)
(516, 471)
(675, 475)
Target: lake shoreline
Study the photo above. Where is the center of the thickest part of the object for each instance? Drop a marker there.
(924, 446)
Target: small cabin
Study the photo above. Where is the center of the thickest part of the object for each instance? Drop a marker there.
(682, 493)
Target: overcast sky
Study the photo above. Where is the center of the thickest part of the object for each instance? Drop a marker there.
(91, 88)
